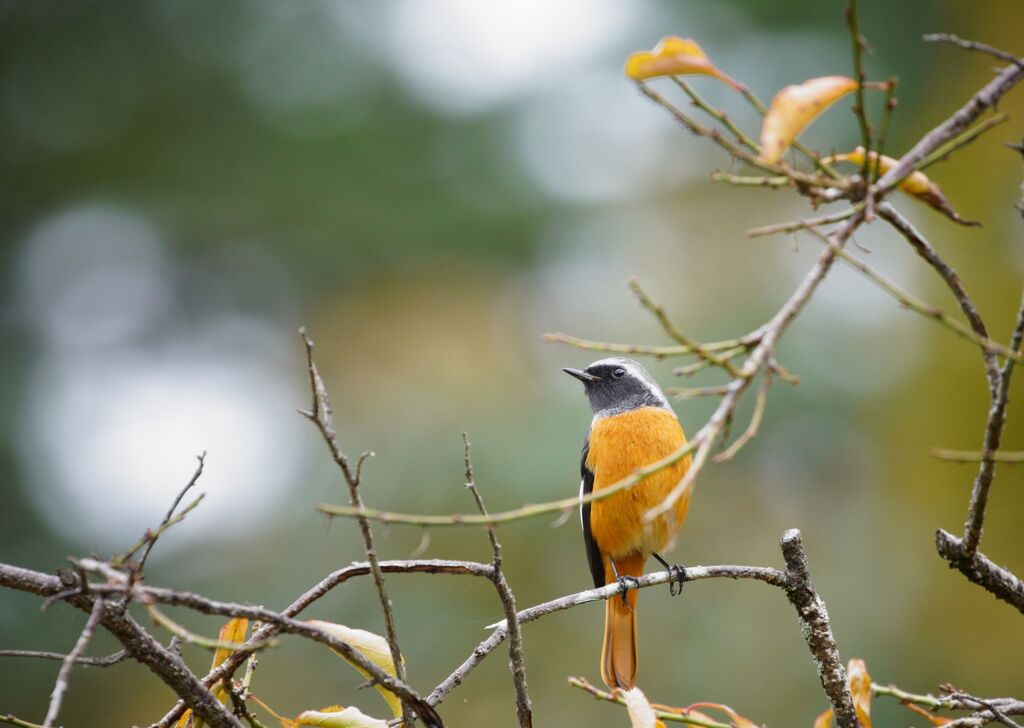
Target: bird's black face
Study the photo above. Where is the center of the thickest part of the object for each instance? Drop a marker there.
(617, 385)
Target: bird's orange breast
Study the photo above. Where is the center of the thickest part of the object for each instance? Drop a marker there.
(619, 445)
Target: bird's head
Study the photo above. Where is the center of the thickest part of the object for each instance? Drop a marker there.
(617, 385)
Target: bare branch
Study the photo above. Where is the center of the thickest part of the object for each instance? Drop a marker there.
(990, 443)
(980, 570)
(61, 685)
(977, 456)
(972, 45)
(817, 631)
(774, 577)
(924, 249)
(518, 514)
(316, 592)
(320, 415)
(959, 121)
(168, 666)
(508, 602)
(107, 661)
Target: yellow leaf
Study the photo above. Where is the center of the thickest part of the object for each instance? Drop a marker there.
(916, 184)
(860, 688)
(335, 717)
(234, 632)
(674, 57)
(794, 107)
(373, 647)
(824, 720)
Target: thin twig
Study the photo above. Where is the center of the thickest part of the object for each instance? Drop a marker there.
(962, 140)
(755, 421)
(517, 514)
(107, 661)
(665, 715)
(789, 227)
(956, 123)
(658, 352)
(991, 442)
(676, 335)
(60, 687)
(972, 45)
(517, 658)
(311, 595)
(859, 108)
(977, 456)
(924, 249)
(320, 415)
(916, 304)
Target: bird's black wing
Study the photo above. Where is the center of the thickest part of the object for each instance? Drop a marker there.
(587, 487)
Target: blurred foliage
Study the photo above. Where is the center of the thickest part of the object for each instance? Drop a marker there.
(188, 182)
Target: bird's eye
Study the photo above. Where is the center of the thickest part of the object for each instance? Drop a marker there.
(619, 373)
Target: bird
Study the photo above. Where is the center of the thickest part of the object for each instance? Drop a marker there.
(633, 426)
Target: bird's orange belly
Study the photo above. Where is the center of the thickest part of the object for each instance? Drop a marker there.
(619, 445)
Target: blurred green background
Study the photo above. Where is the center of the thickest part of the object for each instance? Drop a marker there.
(429, 187)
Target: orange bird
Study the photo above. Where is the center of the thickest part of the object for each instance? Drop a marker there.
(633, 426)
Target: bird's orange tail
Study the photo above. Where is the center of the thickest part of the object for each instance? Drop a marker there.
(619, 653)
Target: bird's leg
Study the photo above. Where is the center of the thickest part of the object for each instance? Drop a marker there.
(625, 582)
(676, 573)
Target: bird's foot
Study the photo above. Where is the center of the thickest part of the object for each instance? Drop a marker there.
(625, 584)
(676, 576)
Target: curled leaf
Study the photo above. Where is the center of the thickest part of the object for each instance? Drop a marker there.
(916, 184)
(336, 717)
(674, 57)
(794, 107)
(824, 720)
(735, 719)
(373, 647)
(931, 717)
(860, 689)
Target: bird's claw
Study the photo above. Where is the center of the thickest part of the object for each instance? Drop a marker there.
(676, 579)
(625, 584)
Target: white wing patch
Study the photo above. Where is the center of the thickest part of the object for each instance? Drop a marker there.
(581, 503)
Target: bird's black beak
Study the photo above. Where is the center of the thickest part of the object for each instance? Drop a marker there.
(581, 375)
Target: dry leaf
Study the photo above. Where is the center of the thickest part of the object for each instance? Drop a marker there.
(335, 717)
(373, 647)
(934, 719)
(860, 688)
(916, 183)
(674, 57)
(794, 107)
(824, 720)
(737, 720)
